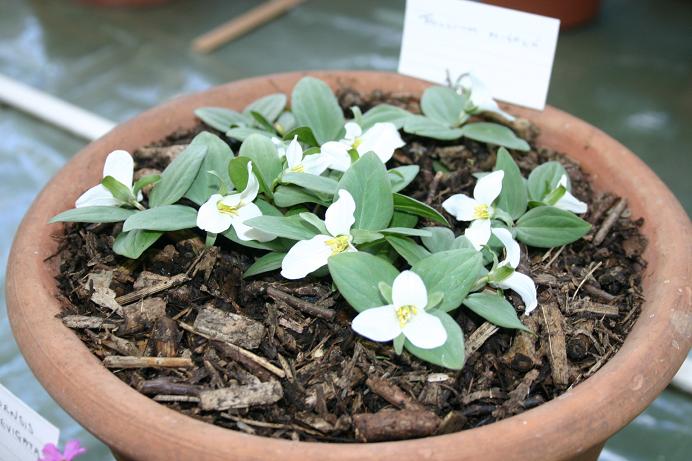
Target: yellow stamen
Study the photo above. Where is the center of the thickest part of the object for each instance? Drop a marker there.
(481, 212)
(338, 244)
(227, 209)
(404, 314)
(298, 168)
(357, 142)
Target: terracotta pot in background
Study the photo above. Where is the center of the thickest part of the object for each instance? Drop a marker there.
(571, 13)
(574, 426)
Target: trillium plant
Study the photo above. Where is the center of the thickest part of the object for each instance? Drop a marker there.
(310, 194)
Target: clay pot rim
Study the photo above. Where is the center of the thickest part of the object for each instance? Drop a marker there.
(580, 419)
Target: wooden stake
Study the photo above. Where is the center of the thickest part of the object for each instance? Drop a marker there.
(242, 24)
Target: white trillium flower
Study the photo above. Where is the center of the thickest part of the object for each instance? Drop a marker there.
(120, 165)
(382, 139)
(481, 97)
(307, 256)
(405, 315)
(298, 163)
(220, 212)
(479, 209)
(522, 284)
(569, 202)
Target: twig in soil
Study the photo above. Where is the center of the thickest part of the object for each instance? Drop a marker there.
(395, 425)
(243, 396)
(117, 361)
(167, 387)
(610, 220)
(554, 323)
(552, 260)
(232, 351)
(492, 393)
(479, 336)
(148, 291)
(599, 293)
(586, 277)
(300, 304)
(434, 185)
(600, 310)
(514, 403)
(229, 327)
(83, 321)
(176, 398)
(393, 394)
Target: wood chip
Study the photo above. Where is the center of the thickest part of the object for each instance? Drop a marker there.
(610, 220)
(557, 344)
(244, 396)
(479, 336)
(393, 394)
(166, 154)
(582, 306)
(116, 361)
(517, 396)
(153, 289)
(165, 336)
(84, 321)
(229, 328)
(100, 282)
(141, 315)
(176, 398)
(300, 304)
(395, 425)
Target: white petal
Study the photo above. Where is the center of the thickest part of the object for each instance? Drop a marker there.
(280, 146)
(120, 165)
(245, 232)
(512, 250)
(294, 153)
(478, 233)
(408, 288)
(252, 187)
(382, 139)
(353, 130)
(564, 182)
(338, 156)
(524, 287)
(481, 97)
(339, 216)
(569, 202)
(377, 323)
(210, 219)
(489, 187)
(96, 196)
(306, 256)
(232, 200)
(315, 164)
(425, 331)
(461, 206)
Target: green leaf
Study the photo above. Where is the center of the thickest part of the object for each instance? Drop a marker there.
(163, 218)
(290, 227)
(385, 291)
(314, 221)
(93, 214)
(443, 104)
(401, 219)
(402, 176)
(219, 154)
(407, 231)
(177, 178)
(462, 243)
(241, 133)
(269, 107)
(312, 182)
(267, 208)
(410, 205)
(237, 172)
(493, 133)
(305, 135)
(314, 105)
(407, 248)
(263, 123)
(266, 263)
(221, 118)
(132, 244)
(513, 197)
(365, 236)
(495, 309)
(451, 272)
(547, 227)
(120, 191)
(288, 196)
(266, 163)
(145, 181)
(285, 123)
(451, 353)
(357, 276)
(273, 245)
(429, 128)
(544, 179)
(440, 239)
(367, 182)
(384, 113)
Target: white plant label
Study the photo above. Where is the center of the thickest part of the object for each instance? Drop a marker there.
(23, 432)
(510, 51)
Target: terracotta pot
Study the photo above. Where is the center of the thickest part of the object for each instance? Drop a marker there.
(571, 13)
(574, 426)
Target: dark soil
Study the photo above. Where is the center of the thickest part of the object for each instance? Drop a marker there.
(277, 358)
